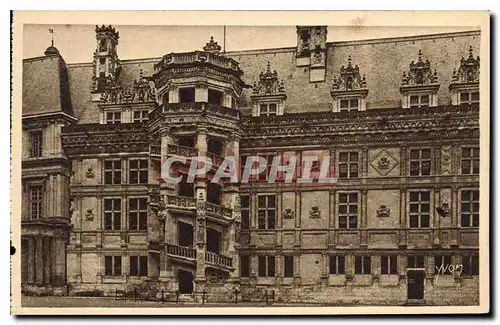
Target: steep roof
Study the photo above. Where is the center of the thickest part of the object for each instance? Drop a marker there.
(45, 85)
(383, 61)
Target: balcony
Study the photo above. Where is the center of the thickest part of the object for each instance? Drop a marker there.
(182, 203)
(219, 261)
(218, 211)
(186, 254)
(198, 58)
(181, 151)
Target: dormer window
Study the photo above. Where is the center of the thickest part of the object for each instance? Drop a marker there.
(349, 104)
(469, 97)
(464, 86)
(420, 85)
(268, 109)
(419, 101)
(349, 89)
(113, 117)
(268, 95)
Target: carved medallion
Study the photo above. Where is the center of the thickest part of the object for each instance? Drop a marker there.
(89, 215)
(383, 211)
(288, 214)
(383, 163)
(314, 212)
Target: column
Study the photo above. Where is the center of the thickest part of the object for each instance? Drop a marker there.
(455, 201)
(31, 260)
(173, 95)
(363, 214)
(296, 268)
(39, 267)
(226, 100)
(47, 252)
(402, 216)
(200, 224)
(201, 94)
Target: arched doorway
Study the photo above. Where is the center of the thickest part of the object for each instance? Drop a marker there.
(185, 281)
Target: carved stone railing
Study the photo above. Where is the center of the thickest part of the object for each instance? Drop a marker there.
(181, 251)
(181, 201)
(216, 159)
(173, 149)
(218, 260)
(218, 211)
(199, 107)
(198, 57)
(155, 150)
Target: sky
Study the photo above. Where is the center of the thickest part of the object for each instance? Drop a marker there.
(76, 43)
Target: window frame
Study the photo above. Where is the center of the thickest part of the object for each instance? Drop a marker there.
(347, 214)
(36, 149)
(471, 159)
(419, 103)
(420, 161)
(141, 264)
(116, 117)
(140, 215)
(470, 94)
(264, 269)
(139, 170)
(116, 268)
(470, 267)
(245, 271)
(336, 265)
(35, 198)
(268, 111)
(266, 210)
(419, 214)
(472, 214)
(415, 259)
(349, 163)
(142, 117)
(388, 264)
(114, 225)
(288, 266)
(442, 261)
(113, 170)
(350, 107)
(365, 262)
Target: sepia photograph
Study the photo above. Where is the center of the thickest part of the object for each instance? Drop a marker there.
(249, 168)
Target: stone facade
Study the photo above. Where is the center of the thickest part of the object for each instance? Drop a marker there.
(99, 217)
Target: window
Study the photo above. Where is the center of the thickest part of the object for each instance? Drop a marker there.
(471, 264)
(419, 101)
(112, 265)
(186, 95)
(138, 266)
(388, 265)
(138, 214)
(113, 117)
(348, 210)
(469, 208)
(112, 214)
(267, 211)
(442, 262)
(267, 171)
(337, 264)
(245, 212)
(140, 116)
(348, 165)
(420, 162)
(469, 97)
(266, 266)
(36, 144)
(214, 97)
(288, 266)
(470, 161)
(349, 104)
(415, 261)
(36, 201)
(138, 171)
(268, 109)
(362, 265)
(244, 266)
(419, 209)
(112, 172)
